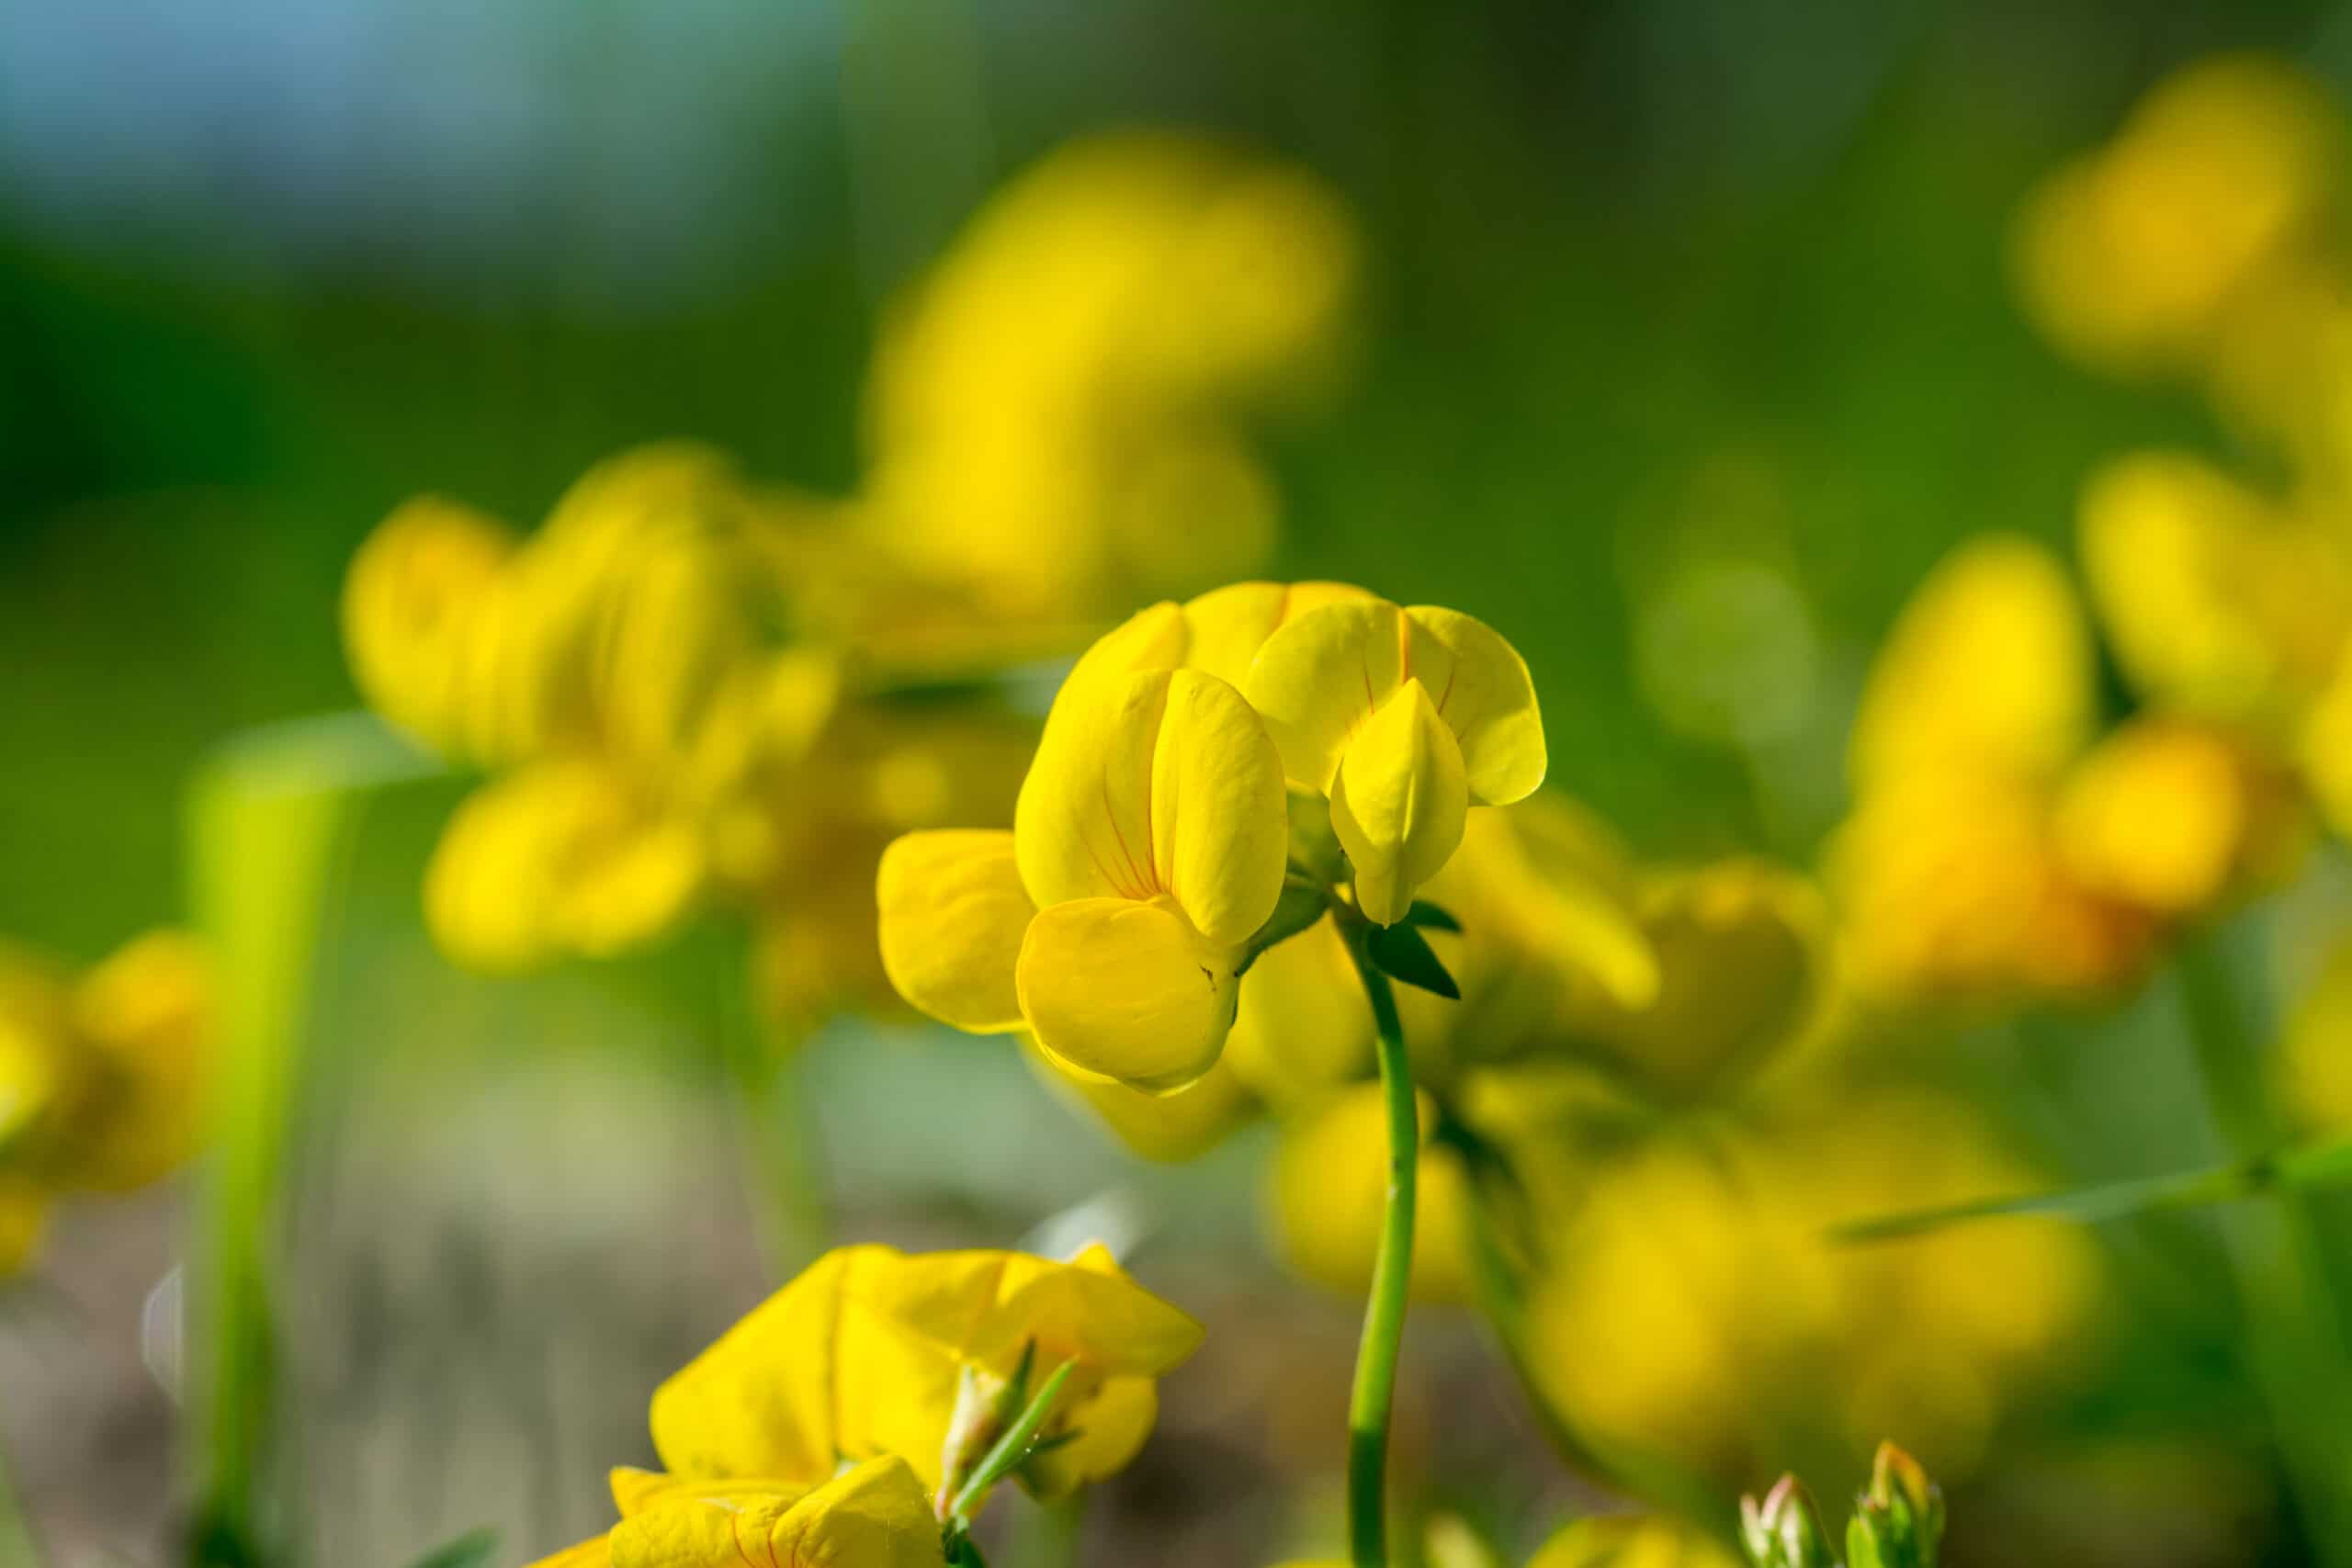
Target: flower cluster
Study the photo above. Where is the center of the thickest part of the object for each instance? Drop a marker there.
(101, 1077)
(693, 689)
(1997, 846)
(860, 1416)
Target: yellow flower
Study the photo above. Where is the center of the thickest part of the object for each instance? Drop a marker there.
(1327, 1194)
(873, 1514)
(1693, 1304)
(2129, 256)
(1622, 1541)
(1994, 849)
(1050, 414)
(1405, 718)
(101, 1076)
(2218, 602)
(873, 1351)
(1148, 846)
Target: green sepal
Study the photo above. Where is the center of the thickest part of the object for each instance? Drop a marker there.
(1303, 902)
(1404, 954)
(1432, 917)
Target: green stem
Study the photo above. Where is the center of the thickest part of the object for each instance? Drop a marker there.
(1371, 1403)
(2294, 1330)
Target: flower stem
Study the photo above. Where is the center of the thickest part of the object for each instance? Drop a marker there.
(2293, 1324)
(1370, 1404)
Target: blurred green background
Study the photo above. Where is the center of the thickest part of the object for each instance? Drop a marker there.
(1651, 286)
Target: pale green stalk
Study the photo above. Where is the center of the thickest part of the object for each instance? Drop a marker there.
(270, 819)
(1371, 1404)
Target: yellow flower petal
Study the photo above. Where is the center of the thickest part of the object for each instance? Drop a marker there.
(952, 915)
(1322, 677)
(558, 857)
(1483, 692)
(1398, 802)
(767, 1398)
(1987, 671)
(1327, 1195)
(2216, 600)
(145, 1014)
(411, 602)
(1109, 1429)
(1625, 1542)
(876, 1516)
(1229, 626)
(638, 1490)
(1113, 988)
(1742, 948)
(1164, 783)
(1089, 1311)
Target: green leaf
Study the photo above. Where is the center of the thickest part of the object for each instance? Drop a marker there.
(1434, 916)
(1303, 902)
(472, 1550)
(1404, 954)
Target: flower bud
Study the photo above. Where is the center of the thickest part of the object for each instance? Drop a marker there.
(1900, 1520)
(1784, 1530)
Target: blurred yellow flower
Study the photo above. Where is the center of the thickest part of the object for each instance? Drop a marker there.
(2220, 603)
(1693, 1304)
(2129, 257)
(102, 1075)
(1995, 849)
(1050, 414)
(1326, 1195)
(1622, 1541)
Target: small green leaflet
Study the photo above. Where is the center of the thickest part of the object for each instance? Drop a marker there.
(1404, 954)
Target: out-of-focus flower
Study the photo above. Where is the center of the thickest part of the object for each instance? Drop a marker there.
(102, 1075)
(678, 720)
(2220, 603)
(833, 1424)
(1625, 1541)
(2131, 256)
(1050, 417)
(1328, 1192)
(1690, 1303)
(1995, 850)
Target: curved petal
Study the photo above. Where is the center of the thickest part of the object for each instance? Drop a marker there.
(1398, 802)
(1107, 1432)
(638, 1490)
(876, 1516)
(1227, 626)
(557, 857)
(1089, 1311)
(1988, 670)
(1323, 676)
(1164, 782)
(1218, 814)
(411, 603)
(763, 1400)
(1482, 690)
(1113, 988)
(952, 914)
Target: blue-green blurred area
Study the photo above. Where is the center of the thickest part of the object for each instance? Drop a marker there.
(1686, 348)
